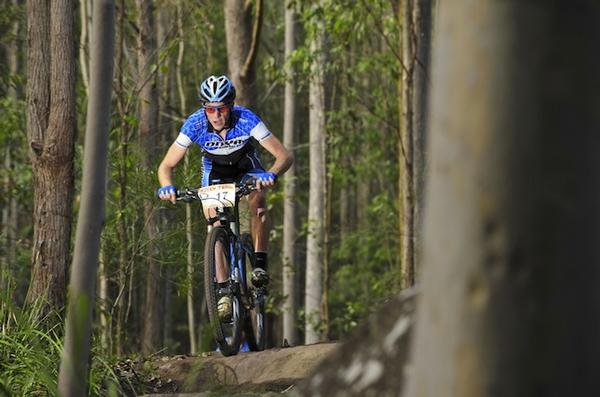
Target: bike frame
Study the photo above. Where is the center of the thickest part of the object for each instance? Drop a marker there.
(229, 219)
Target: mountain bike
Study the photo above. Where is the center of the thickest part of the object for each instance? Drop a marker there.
(225, 243)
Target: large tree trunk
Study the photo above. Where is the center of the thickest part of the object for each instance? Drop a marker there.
(242, 45)
(51, 130)
(73, 374)
(152, 329)
(316, 206)
(290, 269)
(510, 285)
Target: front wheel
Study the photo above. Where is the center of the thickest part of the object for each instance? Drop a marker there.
(227, 331)
(255, 322)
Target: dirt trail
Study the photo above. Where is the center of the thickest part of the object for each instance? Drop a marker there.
(260, 373)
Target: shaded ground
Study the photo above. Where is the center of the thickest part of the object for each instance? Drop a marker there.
(247, 374)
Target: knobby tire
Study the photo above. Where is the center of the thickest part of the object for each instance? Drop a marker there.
(227, 336)
(254, 328)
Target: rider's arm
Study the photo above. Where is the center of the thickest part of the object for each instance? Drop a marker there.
(165, 169)
(283, 157)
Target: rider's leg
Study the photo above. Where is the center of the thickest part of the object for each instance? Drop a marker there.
(260, 235)
(259, 220)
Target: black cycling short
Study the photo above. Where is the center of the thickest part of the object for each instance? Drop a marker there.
(214, 171)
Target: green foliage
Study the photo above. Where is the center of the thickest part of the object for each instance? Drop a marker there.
(366, 271)
(11, 16)
(362, 126)
(30, 354)
(16, 192)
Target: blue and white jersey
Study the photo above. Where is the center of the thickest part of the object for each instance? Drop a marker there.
(243, 126)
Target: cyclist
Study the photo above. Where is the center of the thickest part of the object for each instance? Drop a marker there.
(227, 136)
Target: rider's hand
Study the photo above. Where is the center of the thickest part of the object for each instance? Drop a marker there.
(264, 179)
(167, 193)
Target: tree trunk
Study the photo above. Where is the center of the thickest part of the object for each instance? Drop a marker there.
(9, 210)
(421, 21)
(147, 59)
(316, 211)
(122, 180)
(5, 264)
(510, 290)
(165, 103)
(51, 130)
(407, 221)
(243, 36)
(242, 45)
(188, 209)
(103, 299)
(84, 17)
(290, 279)
(73, 374)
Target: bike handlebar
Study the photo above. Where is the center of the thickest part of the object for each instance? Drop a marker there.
(241, 189)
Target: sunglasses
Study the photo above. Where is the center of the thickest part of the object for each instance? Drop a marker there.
(214, 109)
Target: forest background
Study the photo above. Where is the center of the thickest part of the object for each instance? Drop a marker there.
(337, 77)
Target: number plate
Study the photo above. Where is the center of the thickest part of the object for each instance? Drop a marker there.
(217, 196)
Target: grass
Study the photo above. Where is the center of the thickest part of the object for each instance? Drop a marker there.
(30, 352)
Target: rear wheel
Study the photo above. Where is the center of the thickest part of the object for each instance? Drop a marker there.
(255, 322)
(227, 333)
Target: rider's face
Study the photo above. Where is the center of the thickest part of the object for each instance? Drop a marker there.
(217, 113)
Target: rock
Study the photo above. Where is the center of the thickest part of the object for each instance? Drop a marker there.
(273, 370)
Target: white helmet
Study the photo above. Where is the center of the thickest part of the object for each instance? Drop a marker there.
(217, 89)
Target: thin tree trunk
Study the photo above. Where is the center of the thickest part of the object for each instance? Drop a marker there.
(316, 213)
(9, 216)
(73, 376)
(51, 131)
(165, 103)
(188, 209)
(407, 221)
(290, 234)
(512, 220)
(15, 59)
(103, 298)
(83, 44)
(122, 180)
(10, 210)
(363, 195)
(5, 264)
(344, 213)
(152, 330)
(421, 17)
(346, 216)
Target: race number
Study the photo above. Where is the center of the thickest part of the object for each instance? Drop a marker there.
(217, 196)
